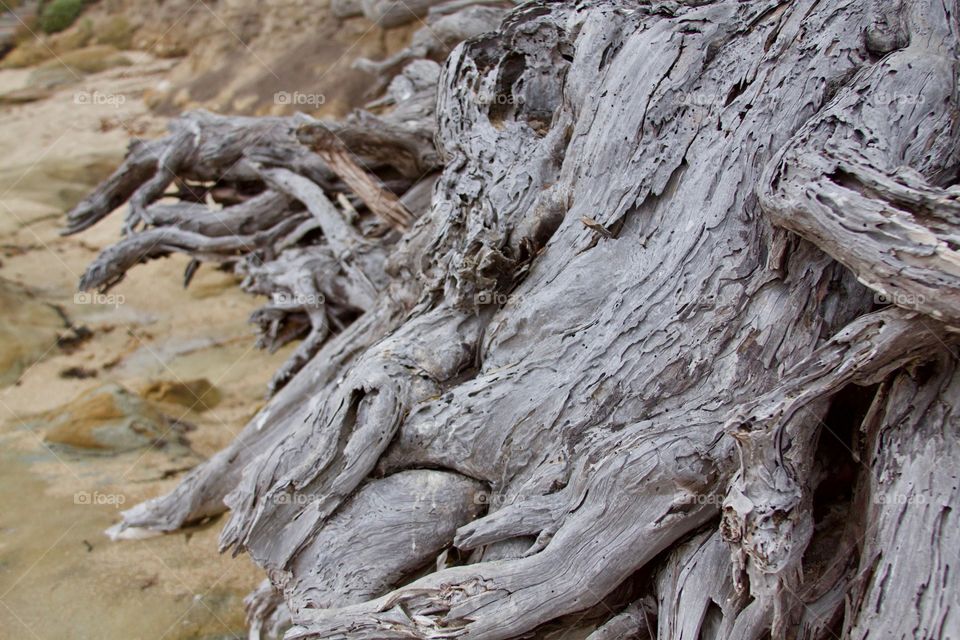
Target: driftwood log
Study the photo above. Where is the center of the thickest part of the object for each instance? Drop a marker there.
(632, 320)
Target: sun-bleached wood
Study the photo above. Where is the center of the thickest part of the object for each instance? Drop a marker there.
(681, 312)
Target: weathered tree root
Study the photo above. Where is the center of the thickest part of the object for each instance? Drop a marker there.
(909, 521)
(615, 353)
(878, 207)
(444, 27)
(319, 269)
(767, 514)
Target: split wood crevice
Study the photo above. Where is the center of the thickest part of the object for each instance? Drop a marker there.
(630, 320)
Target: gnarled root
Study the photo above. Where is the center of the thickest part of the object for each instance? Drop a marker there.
(863, 181)
(640, 296)
(321, 265)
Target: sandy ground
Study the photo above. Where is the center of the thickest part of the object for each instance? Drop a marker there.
(59, 575)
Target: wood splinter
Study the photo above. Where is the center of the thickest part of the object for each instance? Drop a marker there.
(381, 201)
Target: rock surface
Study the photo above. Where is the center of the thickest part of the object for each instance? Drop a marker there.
(197, 395)
(110, 419)
(28, 330)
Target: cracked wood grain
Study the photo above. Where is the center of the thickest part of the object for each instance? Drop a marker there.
(648, 404)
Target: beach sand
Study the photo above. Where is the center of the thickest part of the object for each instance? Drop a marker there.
(60, 577)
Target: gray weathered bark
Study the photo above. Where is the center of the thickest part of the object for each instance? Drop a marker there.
(671, 350)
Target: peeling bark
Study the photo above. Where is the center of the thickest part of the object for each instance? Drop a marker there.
(650, 257)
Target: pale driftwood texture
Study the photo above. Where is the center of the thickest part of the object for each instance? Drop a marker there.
(634, 370)
(337, 156)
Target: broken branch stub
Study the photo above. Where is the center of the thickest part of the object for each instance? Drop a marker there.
(377, 197)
